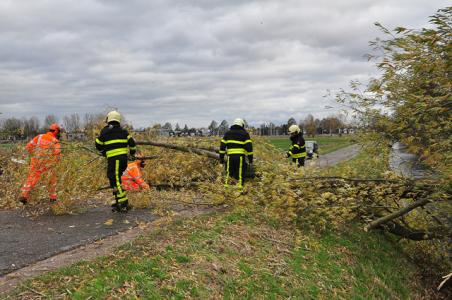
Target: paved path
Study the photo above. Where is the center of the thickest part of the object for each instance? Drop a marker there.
(24, 241)
(333, 158)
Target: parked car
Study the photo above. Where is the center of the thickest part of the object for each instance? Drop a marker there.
(311, 148)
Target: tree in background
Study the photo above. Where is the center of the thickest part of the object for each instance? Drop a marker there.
(93, 123)
(310, 125)
(72, 123)
(213, 127)
(224, 126)
(411, 100)
(167, 126)
(49, 120)
(30, 127)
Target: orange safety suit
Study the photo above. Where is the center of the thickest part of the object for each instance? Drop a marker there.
(132, 178)
(45, 151)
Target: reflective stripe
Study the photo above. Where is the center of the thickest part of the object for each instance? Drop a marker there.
(236, 142)
(299, 155)
(133, 148)
(241, 171)
(116, 152)
(115, 141)
(121, 195)
(222, 152)
(129, 137)
(249, 153)
(236, 151)
(227, 173)
(99, 142)
(39, 140)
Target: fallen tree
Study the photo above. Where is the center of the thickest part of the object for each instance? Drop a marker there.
(203, 152)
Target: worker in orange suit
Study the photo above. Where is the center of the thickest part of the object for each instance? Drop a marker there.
(132, 178)
(45, 151)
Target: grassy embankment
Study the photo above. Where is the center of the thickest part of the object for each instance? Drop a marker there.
(236, 255)
(326, 144)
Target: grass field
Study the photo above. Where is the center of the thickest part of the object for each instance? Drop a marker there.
(326, 144)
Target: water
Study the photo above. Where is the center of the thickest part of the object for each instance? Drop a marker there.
(407, 164)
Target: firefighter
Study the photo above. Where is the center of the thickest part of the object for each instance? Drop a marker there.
(132, 179)
(237, 145)
(114, 142)
(45, 151)
(297, 151)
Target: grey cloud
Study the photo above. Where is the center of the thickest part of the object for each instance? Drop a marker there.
(188, 61)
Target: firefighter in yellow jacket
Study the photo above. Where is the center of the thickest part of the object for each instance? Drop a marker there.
(297, 150)
(114, 142)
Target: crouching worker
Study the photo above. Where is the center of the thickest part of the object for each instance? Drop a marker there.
(45, 151)
(297, 150)
(132, 179)
(114, 142)
(237, 145)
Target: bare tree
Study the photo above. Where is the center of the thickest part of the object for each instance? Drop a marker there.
(72, 123)
(49, 120)
(309, 125)
(213, 127)
(30, 126)
(224, 126)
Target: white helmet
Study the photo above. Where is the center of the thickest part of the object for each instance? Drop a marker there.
(113, 116)
(239, 122)
(294, 129)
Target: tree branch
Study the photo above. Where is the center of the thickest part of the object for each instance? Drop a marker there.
(207, 153)
(396, 214)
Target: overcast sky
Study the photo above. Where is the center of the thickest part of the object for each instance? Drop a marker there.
(189, 61)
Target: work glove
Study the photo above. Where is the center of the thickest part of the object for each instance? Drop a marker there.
(288, 154)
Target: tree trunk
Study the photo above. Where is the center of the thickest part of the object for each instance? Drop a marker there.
(396, 214)
(209, 154)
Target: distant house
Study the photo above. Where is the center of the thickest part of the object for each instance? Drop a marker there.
(76, 136)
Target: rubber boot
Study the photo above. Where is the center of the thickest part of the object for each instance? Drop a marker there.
(23, 200)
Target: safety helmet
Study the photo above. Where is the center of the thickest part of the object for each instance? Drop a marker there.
(113, 116)
(54, 127)
(239, 122)
(293, 129)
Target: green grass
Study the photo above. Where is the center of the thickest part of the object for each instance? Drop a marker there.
(237, 256)
(326, 144)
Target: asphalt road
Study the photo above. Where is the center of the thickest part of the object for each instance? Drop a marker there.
(24, 240)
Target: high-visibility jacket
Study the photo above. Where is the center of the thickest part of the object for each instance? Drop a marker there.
(298, 147)
(113, 140)
(45, 148)
(236, 141)
(132, 178)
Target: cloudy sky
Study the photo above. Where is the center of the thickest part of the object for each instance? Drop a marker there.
(189, 61)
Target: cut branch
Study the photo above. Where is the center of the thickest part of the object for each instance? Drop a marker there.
(207, 153)
(396, 214)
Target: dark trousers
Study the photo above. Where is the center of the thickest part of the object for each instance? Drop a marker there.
(116, 165)
(300, 161)
(235, 168)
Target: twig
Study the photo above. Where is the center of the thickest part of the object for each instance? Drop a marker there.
(276, 241)
(35, 291)
(201, 203)
(446, 278)
(348, 179)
